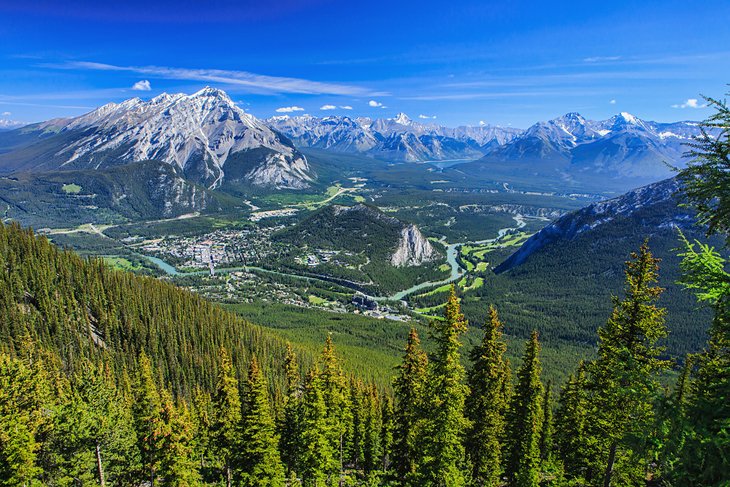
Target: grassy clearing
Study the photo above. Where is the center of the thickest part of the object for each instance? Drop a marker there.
(482, 266)
(442, 289)
(120, 263)
(71, 188)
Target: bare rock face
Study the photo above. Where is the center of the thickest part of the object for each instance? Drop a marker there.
(413, 248)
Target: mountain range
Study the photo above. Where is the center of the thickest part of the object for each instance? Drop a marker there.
(209, 139)
(397, 139)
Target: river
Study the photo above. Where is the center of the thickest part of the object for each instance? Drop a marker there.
(456, 270)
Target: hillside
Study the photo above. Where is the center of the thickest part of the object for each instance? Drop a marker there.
(82, 309)
(360, 243)
(564, 275)
(134, 191)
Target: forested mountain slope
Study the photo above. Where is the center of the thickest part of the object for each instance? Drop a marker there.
(82, 309)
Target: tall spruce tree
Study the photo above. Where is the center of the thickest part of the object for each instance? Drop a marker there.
(318, 463)
(570, 425)
(178, 466)
(336, 398)
(623, 380)
(444, 461)
(546, 434)
(372, 430)
(290, 428)
(259, 460)
(487, 403)
(386, 432)
(147, 419)
(25, 397)
(524, 421)
(409, 391)
(225, 428)
(705, 455)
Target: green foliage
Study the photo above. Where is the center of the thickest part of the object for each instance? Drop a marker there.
(410, 410)
(624, 379)
(524, 421)
(225, 429)
(259, 461)
(178, 467)
(318, 459)
(489, 384)
(24, 394)
(443, 458)
(571, 422)
(706, 179)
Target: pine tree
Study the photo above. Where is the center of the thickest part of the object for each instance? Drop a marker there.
(546, 434)
(24, 400)
(336, 398)
(92, 429)
(226, 416)
(524, 421)
(290, 428)
(386, 434)
(178, 466)
(442, 444)
(409, 391)
(372, 430)
(318, 458)
(202, 415)
(570, 425)
(259, 460)
(356, 435)
(487, 403)
(705, 455)
(623, 379)
(146, 413)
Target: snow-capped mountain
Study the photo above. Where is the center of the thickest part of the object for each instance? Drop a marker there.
(205, 135)
(654, 207)
(621, 145)
(395, 139)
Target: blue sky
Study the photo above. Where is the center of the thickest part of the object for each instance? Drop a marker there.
(506, 62)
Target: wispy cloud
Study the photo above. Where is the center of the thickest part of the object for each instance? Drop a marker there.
(328, 107)
(426, 116)
(690, 103)
(253, 81)
(612, 102)
(6, 114)
(142, 85)
(346, 107)
(290, 109)
(601, 59)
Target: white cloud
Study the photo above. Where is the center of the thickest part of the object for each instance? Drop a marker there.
(482, 123)
(328, 107)
(290, 109)
(254, 82)
(6, 114)
(143, 85)
(375, 104)
(612, 102)
(690, 103)
(601, 59)
(426, 116)
(346, 107)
